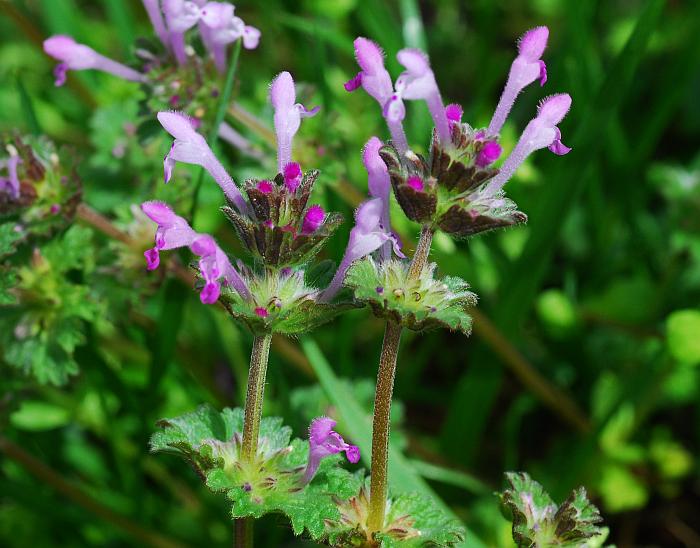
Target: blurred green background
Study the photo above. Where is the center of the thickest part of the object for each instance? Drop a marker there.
(583, 365)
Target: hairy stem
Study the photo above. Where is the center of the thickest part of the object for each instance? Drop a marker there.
(254, 395)
(243, 533)
(383, 395)
(380, 426)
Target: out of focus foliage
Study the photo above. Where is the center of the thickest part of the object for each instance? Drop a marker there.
(584, 365)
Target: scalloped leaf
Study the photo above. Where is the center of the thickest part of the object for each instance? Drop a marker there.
(537, 521)
(210, 441)
(420, 305)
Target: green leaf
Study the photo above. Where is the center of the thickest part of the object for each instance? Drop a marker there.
(211, 442)
(537, 521)
(682, 329)
(422, 304)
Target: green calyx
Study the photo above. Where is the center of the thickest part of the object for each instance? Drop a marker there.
(412, 520)
(282, 301)
(274, 232)
(443, 191)
(271, 483)
(418, 304)
(538, 521)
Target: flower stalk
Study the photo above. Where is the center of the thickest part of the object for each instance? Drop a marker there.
(384, 394)
(254, 396)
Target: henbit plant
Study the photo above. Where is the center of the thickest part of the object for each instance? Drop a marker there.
(282, 292)
(455, 190)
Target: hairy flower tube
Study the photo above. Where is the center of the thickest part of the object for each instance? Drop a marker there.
(323, 442)
(376, 81)
(288, 115)
(74, 56)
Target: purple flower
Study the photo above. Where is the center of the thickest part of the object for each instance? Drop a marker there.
(180, 16)
(74, 56)
(417, 82)
(214, 265)
(173, 232)
(313, 219)
(156, 17)
(219, 27)
(490, 152)
(379, 185)
(288, 115)
(376, 81)
(541, 132)
(11, 184)
(292, 176)
(366, 237)
(526, 68)
(191, 148)
(324, 441)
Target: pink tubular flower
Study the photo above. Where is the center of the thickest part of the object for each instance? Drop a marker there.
(454, 112)
(156, 17)
(490, 152)
(180, 16)
(324, 441)
(526, 68)
(366, 237)
(214, 265)
(11, 184)
(292, 176)
(191, 148)
(541, 132)
(174, 232)
(417, 82)
(379, 185)
(220, 27)
(375, 80)
(313, 219)
(74, 56)
(288, 115)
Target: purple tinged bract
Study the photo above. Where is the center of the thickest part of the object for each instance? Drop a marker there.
(323, 442)
(11, 184)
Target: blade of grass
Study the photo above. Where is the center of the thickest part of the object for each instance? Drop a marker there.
(413, 30)
(220, 114)
(403, 476)
(27, 108)
(121, 18)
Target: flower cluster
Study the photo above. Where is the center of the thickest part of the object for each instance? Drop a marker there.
(39, 187)
(457, 189)
(274, 221)
(173, 74)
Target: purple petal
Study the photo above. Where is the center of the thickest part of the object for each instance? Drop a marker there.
(251, 37)
(490, 152)
(159, 212)
(552, 109)
(313, 219)
(210, 293)
(454, 113)
(152, 258)
(60, 71)
(533, 43)
(543, 73)
(354, 82)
